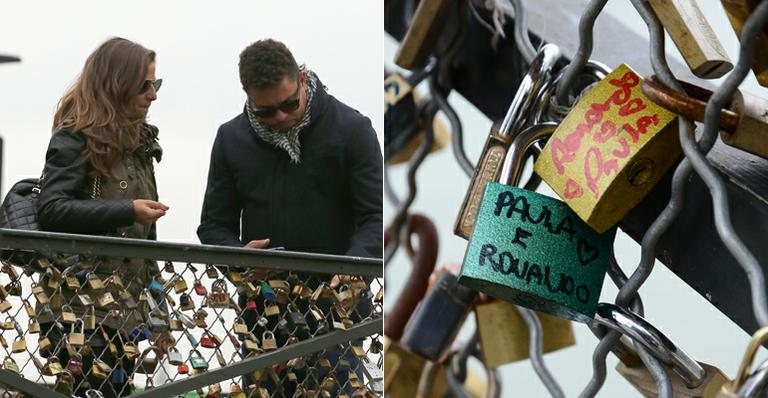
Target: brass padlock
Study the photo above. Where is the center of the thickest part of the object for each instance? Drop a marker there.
(495, 150)
(72, 282)
(643, 381)
(67, 316)
(43, 343)
(53, 276)
(268, 341)
(52, 367)
(251, 343)
(610, 150)
(240, 327)
(732, 388)
(19, 345)
(89, 318)
(5, 305)
(504, 336)
(11, 365)
(180, 286)
(105, 300)
(14, 288)
(272, 310)
(29, 309)
(738, 11)
(77, 338)
(210, 271)
(8, 324)
(33, 326)
(94, 281)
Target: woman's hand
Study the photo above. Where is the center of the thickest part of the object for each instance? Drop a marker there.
(146, 212)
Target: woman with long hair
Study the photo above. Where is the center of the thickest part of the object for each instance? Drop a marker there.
(99, 179)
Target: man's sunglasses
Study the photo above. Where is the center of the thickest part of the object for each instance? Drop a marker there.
(154, 83)
(287, 106)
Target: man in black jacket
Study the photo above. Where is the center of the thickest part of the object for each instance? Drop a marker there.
(297, 169)
(303, 168)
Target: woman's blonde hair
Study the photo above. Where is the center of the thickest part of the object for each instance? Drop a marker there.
(97, 104)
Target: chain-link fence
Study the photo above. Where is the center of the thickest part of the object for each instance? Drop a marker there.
(545, 96)
(93, 316)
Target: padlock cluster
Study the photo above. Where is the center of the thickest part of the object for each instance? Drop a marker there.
(110, 332)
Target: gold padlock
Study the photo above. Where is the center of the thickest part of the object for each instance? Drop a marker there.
(643, 381)
(105, 300)
(19, 345)
(504, 335)
(89, 318)
(180, 286)
(29, 309)
(610, 150)
(33, 326)
(43, 343)
(240, 327)
(94, 281)
(77, 338)
(67, 316)
(731, 387)
(5, 305)
(738, 11)
(8, 324)
(268, 341)
(272, 310)
(72, 282)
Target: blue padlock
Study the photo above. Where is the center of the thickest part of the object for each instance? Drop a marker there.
(155, 286)
(140, 333)
(119, 375)
(267, 292)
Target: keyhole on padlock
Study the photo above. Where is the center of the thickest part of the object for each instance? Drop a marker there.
(641, 172)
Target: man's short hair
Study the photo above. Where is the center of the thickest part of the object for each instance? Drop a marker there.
(265, 63)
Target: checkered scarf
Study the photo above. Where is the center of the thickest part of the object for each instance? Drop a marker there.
(286, 140)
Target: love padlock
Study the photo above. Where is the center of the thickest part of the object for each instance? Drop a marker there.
(531, 249)
(505, 337)
(610, 150)
(498, 142)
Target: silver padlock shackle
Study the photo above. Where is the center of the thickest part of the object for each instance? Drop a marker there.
(540, 71)
(515, 159)
(661, 347)
(547, 100)
(757, 383)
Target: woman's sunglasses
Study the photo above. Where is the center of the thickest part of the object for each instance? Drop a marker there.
(287, 106)
(154, 83)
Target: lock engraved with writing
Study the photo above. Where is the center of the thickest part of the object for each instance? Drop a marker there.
(531, 249)
(610, 150)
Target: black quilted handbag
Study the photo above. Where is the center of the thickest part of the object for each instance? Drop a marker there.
(19, 208)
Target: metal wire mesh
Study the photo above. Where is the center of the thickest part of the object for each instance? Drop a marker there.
(91, 328)
(663, 360)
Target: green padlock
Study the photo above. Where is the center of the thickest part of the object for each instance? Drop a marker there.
(533, 250)
(197, 361)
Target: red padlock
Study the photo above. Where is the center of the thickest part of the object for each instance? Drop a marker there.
(200, 288)
(183, 368)
(234, 340)
(207, 342)
(250, 305)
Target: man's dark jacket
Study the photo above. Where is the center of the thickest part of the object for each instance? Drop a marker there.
(329, 203)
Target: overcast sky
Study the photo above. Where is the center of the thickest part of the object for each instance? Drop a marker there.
(197, 45)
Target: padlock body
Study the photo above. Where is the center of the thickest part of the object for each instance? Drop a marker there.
(750, 133)
(532, 250)
(611, 149)
(488, 169)
(435, 323)
(504, 336)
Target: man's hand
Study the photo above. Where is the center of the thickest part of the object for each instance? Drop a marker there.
(146, 211)
(258, 273)
(257, 244)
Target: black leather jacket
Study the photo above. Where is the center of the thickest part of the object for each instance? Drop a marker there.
(65, 203)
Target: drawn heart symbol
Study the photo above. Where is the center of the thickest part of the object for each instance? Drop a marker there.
(586, 252)
(572, 189)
